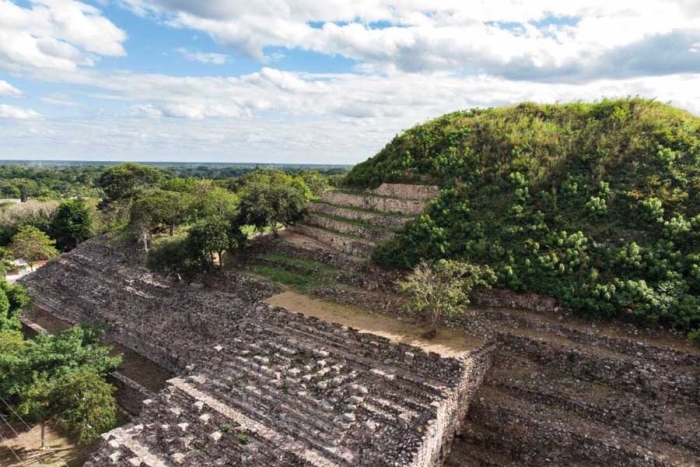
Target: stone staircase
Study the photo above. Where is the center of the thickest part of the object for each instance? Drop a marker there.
(355, 222)
(561, 391)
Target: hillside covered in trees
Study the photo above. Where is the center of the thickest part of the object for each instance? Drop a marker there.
(594, 204)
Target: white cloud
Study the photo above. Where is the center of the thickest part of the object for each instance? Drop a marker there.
(55, 34)
(520, 40)
(274, 116)
(17, 113)
(6, 89)
(209, 58)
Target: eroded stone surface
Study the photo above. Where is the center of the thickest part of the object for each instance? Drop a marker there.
(259, 385)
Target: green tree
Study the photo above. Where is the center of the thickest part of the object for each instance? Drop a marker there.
(53, 356)
(315, 180)
(6, 258)
(71, 225)
(211, 236)
(32, 244)
(266, 205)
(211, 200)
(124, 181)
(442, 288)
(81, 402)
(159, 207)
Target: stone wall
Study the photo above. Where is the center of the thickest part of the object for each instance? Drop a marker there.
(287, 382)
(374, 203)
(368, 233)
(377, 219)
(349, 245)
(405, 191)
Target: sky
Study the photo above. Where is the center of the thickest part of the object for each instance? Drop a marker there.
(311, 81)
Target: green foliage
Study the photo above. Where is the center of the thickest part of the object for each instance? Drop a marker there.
(171, 256)
(32, 244)
(124, 181)
(270, 199)
(71, 225)
(594, 204)
(49, 357)
(81, 402)
(442, 288)
(217, 235)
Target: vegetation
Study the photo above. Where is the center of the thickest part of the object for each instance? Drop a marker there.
(33, 245)
(442, 288)
(594, 204)
(59, 379)
(71, 225)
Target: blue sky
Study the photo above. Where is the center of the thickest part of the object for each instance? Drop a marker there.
(316, 82)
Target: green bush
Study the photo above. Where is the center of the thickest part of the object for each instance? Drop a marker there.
(594, 204)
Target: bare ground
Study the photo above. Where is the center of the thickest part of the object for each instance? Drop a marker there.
(60, 451)
(448, 342)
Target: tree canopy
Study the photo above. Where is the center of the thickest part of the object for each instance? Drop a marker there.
(32, 244)
(442, 288)
(71, 225)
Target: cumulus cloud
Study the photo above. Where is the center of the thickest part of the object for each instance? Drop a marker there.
(6, 89)
(519, 40)
(209, 58)
(55, 34)
(17, 113)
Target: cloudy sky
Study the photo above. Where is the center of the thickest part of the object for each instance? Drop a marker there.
(313, 81)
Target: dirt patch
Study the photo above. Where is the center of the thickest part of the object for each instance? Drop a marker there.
(60, 450)
(448, 342)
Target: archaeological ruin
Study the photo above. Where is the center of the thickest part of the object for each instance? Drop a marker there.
(253, 384)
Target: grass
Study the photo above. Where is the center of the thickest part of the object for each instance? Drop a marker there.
(316, 274)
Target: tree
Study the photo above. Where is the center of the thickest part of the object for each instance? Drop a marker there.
(211, 200)
(266, 205)
(51, 357)
(71, 225)
(81, 402)
(5, 261)
(12, 299)
(315, 180)
(32, 244)
(156, 207)
(442, 288)
(124, 181)
(211, 236)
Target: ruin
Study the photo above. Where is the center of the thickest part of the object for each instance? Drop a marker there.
(258, 385)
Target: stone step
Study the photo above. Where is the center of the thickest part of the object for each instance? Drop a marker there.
(366, 231)
(374, 203)
(378, 219)
(349, 245)
(407, 191)
(537, 434)
(643, 416)
(646, 379)
(605, 335)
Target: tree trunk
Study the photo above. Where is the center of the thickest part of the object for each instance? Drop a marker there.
(144, 237)
(172, 229)
(434, 318)
(43, 438)
(221, 259)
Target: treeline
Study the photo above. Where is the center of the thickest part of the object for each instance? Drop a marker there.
(189, 225)
(204, 218)
(594, 204)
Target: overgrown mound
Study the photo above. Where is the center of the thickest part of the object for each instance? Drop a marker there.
(595, 204)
